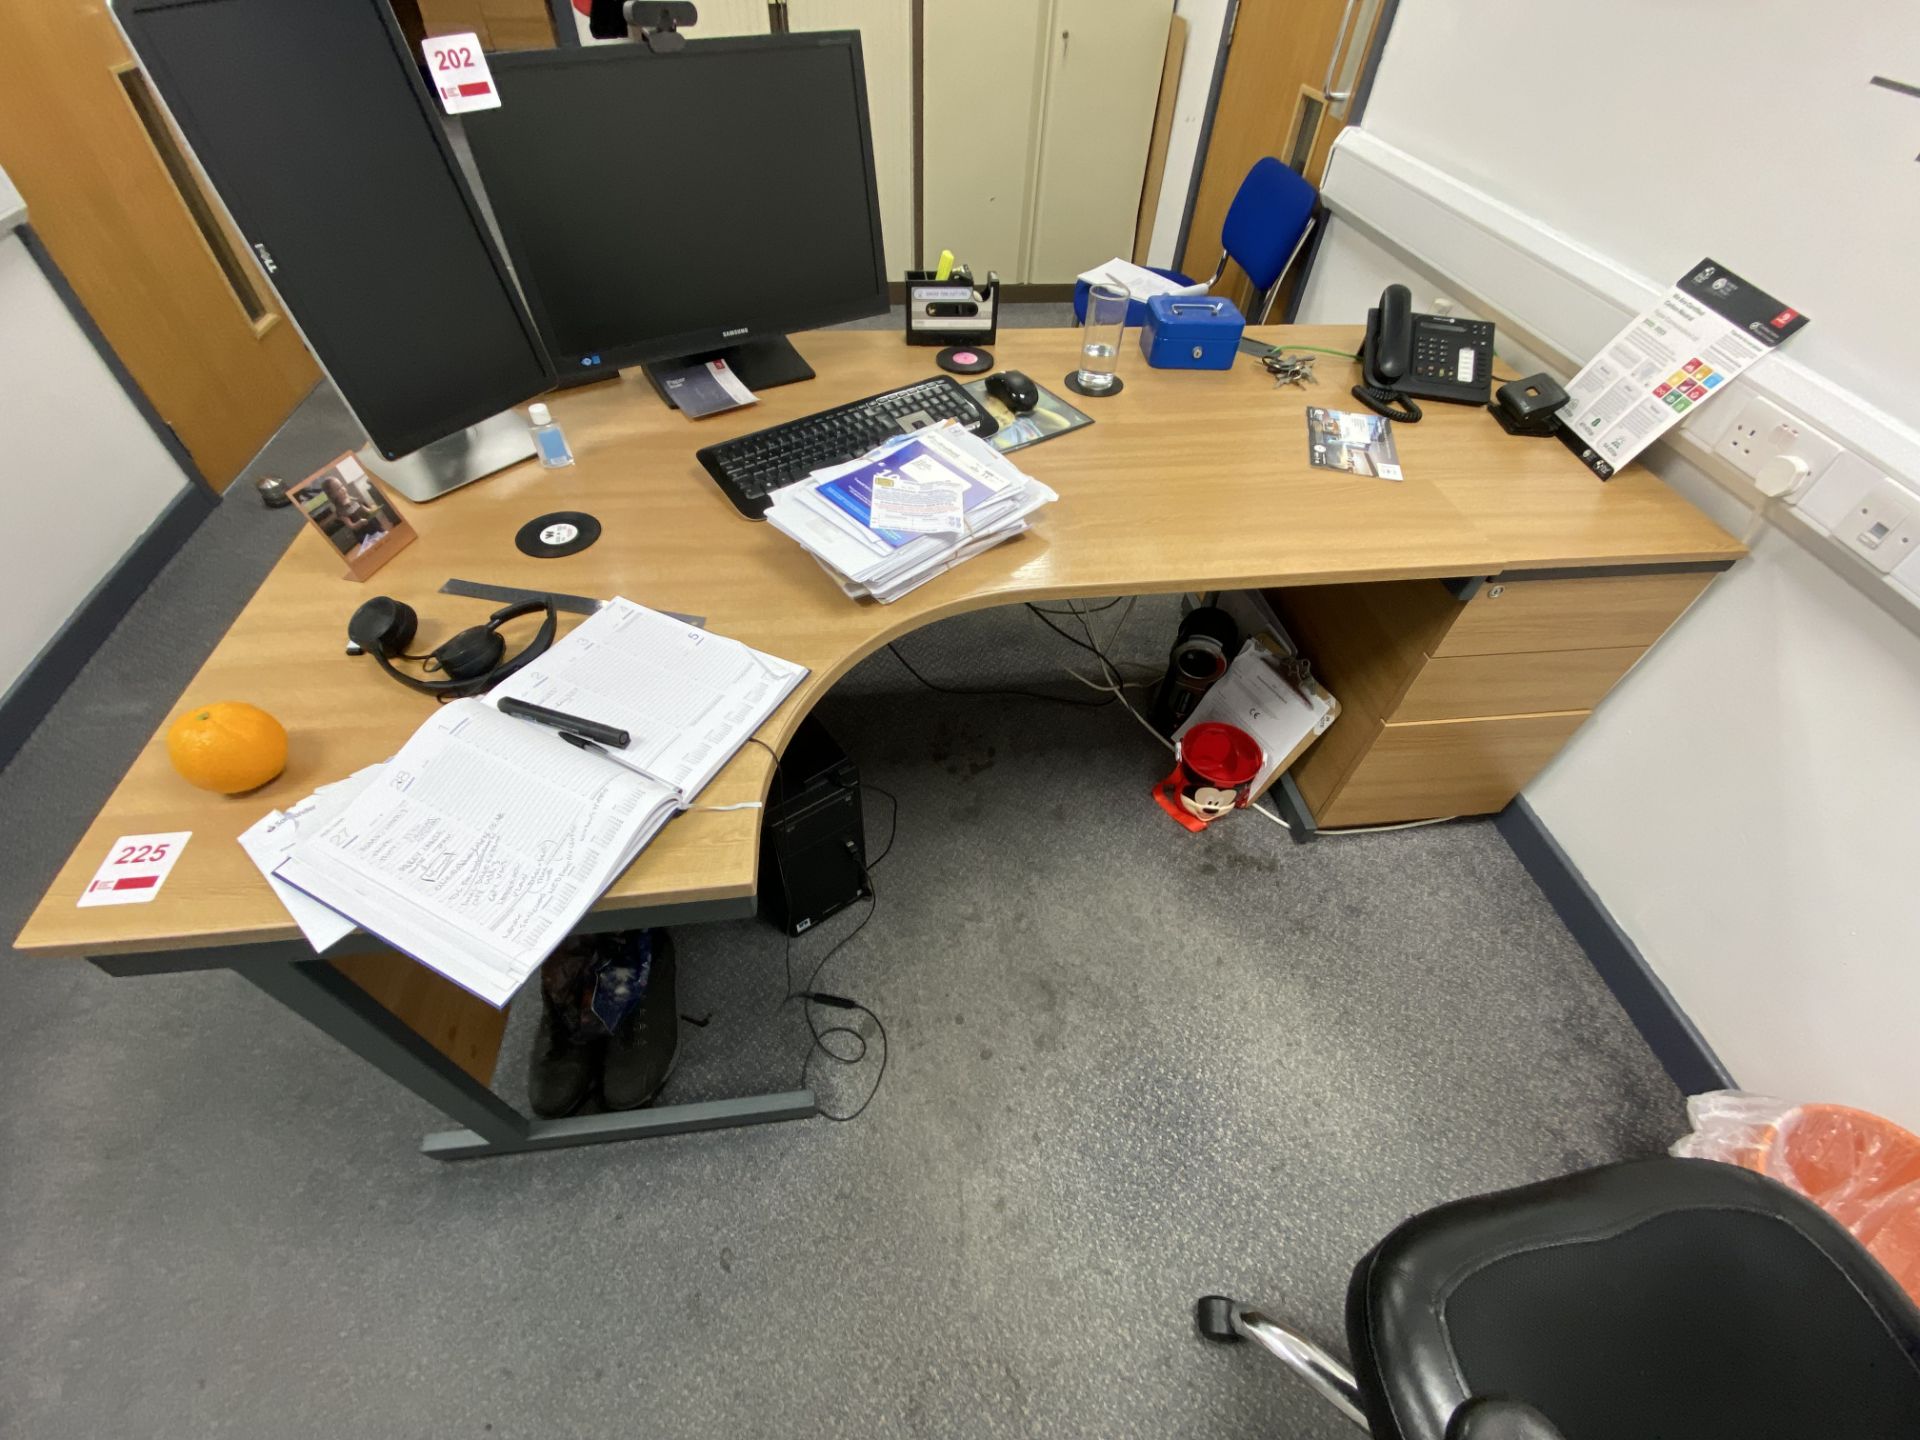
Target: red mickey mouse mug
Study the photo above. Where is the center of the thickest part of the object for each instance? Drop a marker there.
(1213, 772)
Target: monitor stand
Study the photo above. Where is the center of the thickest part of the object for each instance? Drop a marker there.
(760, 364)
(454, 460)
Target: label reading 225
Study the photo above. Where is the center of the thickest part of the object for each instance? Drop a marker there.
(142, 854)
(135, 868)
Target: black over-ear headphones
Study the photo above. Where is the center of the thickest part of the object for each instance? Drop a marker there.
(470, 661)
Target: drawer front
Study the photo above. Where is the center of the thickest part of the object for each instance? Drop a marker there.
(1610, 612)
(1463, 687)
(1447, 767)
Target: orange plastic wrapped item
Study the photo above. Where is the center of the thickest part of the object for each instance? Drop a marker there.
(1862, 1170)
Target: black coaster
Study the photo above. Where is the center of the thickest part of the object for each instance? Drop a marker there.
(1073, 384)
(964, 359)
(565, 532)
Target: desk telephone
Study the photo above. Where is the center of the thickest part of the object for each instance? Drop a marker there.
(1434, 357)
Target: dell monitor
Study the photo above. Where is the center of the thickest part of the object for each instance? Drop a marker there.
(310, 118)
(687, 206)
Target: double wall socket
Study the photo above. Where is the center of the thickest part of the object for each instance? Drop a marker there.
(1761, 432)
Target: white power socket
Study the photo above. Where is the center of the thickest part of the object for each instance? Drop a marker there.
(1762, 431)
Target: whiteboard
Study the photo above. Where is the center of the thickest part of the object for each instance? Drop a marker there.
(1657, 134)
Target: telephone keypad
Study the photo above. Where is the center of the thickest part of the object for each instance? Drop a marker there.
(1458, 350)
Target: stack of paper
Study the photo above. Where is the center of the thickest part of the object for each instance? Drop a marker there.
(272, 838)
(908, 510)
(1139, 282)
(480, 845)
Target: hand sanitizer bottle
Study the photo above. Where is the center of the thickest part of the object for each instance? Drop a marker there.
(547, 438)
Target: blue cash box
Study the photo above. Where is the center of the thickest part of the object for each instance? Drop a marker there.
(1191, 332)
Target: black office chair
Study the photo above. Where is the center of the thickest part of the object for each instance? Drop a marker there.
(1651, 1300)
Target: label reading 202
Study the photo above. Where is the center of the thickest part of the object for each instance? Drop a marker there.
(457, 69)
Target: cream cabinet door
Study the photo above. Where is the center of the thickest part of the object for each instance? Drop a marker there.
(886, 45)
(985, 66)
(1102, 80)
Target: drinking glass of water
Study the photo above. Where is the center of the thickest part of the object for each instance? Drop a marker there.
(1100, 339)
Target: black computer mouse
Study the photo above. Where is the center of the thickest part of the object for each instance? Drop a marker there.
(1014, 390)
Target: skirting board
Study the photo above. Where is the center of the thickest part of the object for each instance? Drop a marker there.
(1672, 1037)
(30, 697)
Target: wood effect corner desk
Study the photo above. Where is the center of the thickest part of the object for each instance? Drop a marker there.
(1453, 694)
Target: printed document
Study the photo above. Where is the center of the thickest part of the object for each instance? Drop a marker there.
(1254, 695)
(1705, 330)
(271, 839)
(480, 845)
(688, 698)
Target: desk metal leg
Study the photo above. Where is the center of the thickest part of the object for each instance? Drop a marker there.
(625, 1125)
(1294, 809)
(328, 1000)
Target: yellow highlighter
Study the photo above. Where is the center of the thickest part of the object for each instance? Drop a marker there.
(944, 271)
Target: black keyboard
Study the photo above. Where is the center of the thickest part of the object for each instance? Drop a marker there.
(750, 468)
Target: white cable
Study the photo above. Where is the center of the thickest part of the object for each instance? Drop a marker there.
(743, 805)
(1284, 825)
(1382, 829)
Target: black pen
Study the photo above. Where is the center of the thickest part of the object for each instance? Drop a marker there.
(580, 742)
(585, 729)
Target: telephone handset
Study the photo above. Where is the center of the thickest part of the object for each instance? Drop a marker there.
(1434, 357)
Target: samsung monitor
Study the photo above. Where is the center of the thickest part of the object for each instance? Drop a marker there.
(686, 206)
(310, 119)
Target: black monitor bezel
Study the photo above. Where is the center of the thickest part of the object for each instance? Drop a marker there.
(741, 329)
(131, 13)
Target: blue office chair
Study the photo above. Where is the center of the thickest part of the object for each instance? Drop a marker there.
(1266, 227)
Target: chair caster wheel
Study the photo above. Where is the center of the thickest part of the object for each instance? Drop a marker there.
(1213, 1316)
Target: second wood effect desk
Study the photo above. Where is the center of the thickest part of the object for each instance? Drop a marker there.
(1188, 480)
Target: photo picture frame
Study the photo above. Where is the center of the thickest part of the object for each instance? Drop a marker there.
(353, 515)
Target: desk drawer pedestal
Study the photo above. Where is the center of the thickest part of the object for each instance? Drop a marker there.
(1451, 705)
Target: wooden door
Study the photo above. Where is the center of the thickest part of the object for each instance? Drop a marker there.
(1273, 101)
(130, 222)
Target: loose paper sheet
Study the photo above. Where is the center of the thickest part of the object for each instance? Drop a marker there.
(1706, 329)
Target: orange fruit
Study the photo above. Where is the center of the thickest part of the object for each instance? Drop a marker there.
(227, 747)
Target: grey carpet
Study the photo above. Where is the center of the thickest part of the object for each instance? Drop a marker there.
(1128, 1066)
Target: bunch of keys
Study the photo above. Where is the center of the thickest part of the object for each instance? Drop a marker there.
(1289, 369)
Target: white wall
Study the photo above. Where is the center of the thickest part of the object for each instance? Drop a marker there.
(1741, 128)
(1204, 21)
(1741, 803)
(83, 475)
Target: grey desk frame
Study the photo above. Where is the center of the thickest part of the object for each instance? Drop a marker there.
(314, 989)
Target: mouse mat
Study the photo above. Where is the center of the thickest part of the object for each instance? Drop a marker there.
(1050, 417)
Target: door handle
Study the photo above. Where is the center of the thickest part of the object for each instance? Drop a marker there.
(1333, 60)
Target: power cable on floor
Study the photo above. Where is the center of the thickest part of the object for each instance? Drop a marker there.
(811, 996)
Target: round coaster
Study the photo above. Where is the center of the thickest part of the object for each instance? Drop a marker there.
(565, 532)
(963, 360)
(1073, 384)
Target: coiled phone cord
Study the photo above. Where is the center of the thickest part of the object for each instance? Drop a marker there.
(1390, 403)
